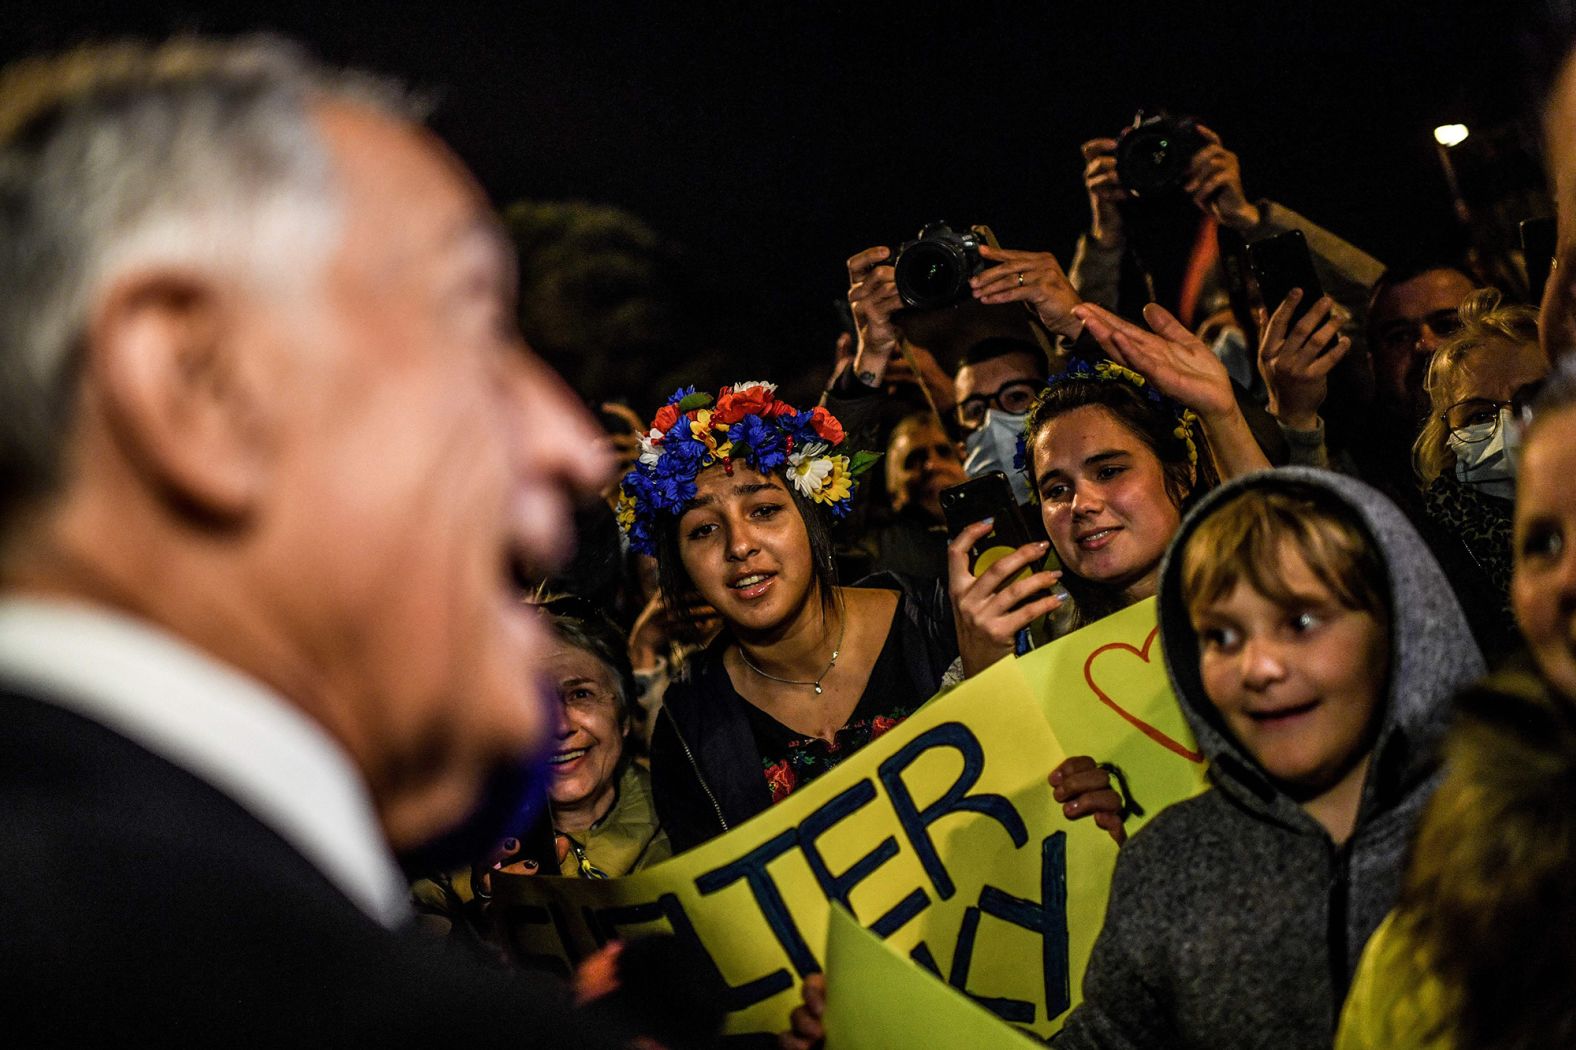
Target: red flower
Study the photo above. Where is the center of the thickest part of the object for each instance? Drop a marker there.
(826, 425)
(728, 410)
(880, 724)
(781, 408)
(781, 780)
(751, 401)
(666, 416)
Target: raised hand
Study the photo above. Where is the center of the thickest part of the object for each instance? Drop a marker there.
(1180, 366)
(1175, 360)
(1214, 182)
(1032, 278)
(873, 297)
(1296, 364)
(1105, 191)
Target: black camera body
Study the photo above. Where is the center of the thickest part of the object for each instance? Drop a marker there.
(1153, 153)
(933, 269)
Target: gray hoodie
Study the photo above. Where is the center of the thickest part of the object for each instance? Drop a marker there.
(1234, 920)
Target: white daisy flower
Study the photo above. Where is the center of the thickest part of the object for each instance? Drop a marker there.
(808, 474)
(770, 387)
(651, 447)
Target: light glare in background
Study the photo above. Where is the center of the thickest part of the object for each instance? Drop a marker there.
(1450, 134)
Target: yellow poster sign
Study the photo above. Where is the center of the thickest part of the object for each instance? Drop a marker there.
(941, 837)
(876, 998)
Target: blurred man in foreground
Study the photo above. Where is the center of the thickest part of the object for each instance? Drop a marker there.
(272, 459)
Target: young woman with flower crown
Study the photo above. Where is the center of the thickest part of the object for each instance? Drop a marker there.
(731, 494)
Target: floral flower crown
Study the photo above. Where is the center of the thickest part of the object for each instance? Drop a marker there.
(1078, 368)
(744, 423)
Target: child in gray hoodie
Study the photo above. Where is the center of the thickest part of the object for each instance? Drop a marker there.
(1314, 645)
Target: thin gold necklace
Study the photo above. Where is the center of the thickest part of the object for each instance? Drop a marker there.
(836, 651)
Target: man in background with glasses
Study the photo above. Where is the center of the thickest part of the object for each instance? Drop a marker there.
(996, 385)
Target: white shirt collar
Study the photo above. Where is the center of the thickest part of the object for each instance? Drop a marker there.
(213, 721)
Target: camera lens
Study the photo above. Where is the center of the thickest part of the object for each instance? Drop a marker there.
(1152, 158)
(929, 274)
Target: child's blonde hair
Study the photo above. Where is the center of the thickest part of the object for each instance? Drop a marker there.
(1247, 536)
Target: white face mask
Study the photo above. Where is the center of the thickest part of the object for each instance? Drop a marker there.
(1231, 346)
(1485, 462)
(993, 446)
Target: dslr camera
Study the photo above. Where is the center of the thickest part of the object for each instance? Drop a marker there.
(1153, 153)
(934, 268)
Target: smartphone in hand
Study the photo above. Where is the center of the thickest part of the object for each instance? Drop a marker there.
(1281, 263)
(990, 496)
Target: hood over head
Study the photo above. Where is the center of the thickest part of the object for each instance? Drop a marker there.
(1432, 651)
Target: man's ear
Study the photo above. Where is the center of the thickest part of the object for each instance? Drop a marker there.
(180, 399)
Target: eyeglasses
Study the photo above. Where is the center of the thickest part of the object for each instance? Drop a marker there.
(1015, 396)
(1463, 416)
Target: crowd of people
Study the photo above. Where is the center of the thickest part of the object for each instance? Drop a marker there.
(294, 639)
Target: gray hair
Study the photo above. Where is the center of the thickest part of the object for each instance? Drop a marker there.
(194, 153)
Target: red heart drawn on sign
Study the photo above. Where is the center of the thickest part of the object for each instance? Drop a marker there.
(1158, 736)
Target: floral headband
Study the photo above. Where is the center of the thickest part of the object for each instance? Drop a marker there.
(1078, 368)
(744, 423)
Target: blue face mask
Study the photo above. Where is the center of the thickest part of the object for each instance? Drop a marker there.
(993, 446)
(1486, 459)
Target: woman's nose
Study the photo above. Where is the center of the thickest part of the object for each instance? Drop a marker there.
(742, 542)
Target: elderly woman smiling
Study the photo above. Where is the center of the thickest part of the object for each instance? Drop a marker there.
(604, 822)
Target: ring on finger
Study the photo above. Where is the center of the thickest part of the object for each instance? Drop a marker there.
(1020, 278)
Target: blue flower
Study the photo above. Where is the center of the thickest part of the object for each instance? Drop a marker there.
(680, 394)
(760, 442)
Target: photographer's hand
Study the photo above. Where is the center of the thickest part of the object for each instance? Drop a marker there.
(1034, 278)
(1296, 365)
(1105, 192)
(872, 295)
(1214, 181)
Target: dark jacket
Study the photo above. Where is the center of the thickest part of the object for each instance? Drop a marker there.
(142, 906)
(1234, 920)
(705, 767)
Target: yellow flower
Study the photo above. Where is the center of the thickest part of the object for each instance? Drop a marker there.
(837, 485)
(701, 430)
(624, 513)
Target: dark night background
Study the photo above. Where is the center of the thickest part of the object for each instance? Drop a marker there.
(768, 142)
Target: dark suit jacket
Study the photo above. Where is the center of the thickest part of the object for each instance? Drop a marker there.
(137, 903)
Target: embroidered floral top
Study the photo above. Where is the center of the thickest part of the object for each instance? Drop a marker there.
(790, 760)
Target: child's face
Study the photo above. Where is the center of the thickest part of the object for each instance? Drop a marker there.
(1298, 686)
